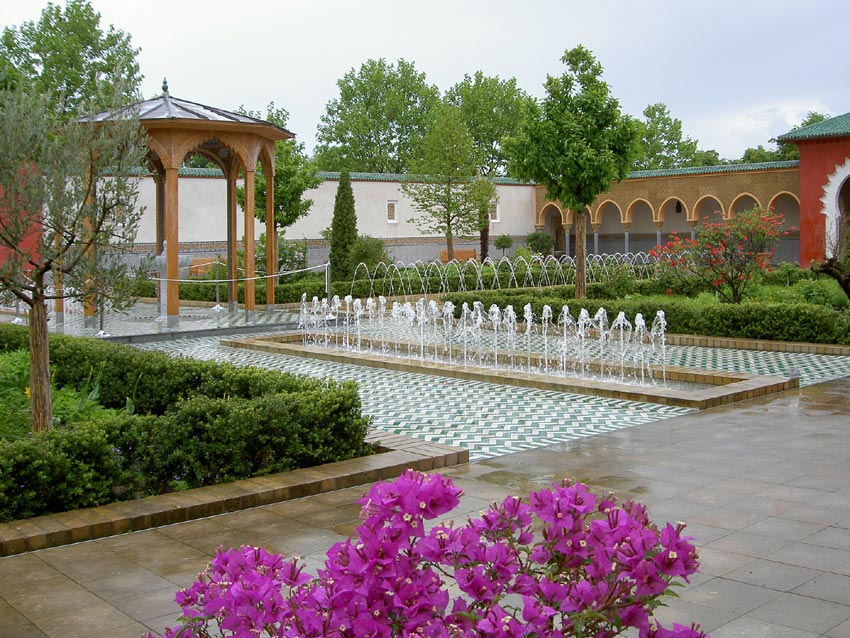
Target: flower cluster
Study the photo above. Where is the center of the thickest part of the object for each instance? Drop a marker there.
(565, 563)
(726, 255)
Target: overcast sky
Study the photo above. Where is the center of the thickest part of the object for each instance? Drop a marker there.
(736, 72)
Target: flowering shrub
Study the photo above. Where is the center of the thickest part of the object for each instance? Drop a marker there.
(726, 255)
(565, 563)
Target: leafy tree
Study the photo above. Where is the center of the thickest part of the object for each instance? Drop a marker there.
(574, 143)
(378, 120)
(782, 152)
(368, 250)
(446, 192)
(662, 144)
(67, 55)
(490, 108)
(707, 158)
(503, 242)
(294, 174)
(726, 255)
(68, 209)
(343, 230)
(540, 242)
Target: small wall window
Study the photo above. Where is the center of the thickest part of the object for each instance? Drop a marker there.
(494, 211)
(391, 211)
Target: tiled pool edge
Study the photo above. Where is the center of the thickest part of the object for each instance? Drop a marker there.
(761, 345)
(726, 387)
(398, 453)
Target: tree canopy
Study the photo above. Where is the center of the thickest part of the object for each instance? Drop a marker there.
(294, 174)
(445, 191)
(378, 120)
(662, 143)
(68, 56)
(574, 142)
(490, 108)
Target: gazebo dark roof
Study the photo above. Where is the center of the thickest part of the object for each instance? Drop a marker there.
(166, 109)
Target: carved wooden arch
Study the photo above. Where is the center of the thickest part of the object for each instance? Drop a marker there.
(664, 203)
(233, 143)
(731, 210)
(629, 218)
(595, 217)
(693, 213)
(267, 157)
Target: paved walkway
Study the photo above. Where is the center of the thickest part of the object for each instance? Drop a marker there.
(763, 485)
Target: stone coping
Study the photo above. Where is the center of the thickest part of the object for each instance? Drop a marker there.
(396, 454)
(724, 387)
(766, 345)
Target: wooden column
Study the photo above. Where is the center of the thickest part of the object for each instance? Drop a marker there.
(250, 301)
(232, 233)
(172, 245)
(271, 241)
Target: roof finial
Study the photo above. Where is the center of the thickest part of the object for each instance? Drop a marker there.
(164, 85)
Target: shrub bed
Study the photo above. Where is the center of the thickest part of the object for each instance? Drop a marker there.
(193, 423)
(781, 322)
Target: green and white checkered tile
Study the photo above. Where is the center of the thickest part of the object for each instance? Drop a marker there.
(489, 420)
(813, 368)
(492, 420)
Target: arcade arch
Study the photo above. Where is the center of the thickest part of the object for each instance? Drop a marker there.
(744, 201)
(708, 209)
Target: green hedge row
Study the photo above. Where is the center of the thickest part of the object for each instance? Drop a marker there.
(781, 322)
(195, 423)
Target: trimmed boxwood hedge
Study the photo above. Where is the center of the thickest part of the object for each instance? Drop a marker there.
(194, 423)
(781, 322)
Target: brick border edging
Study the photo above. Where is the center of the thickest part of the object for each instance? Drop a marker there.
(398, 453)
(764, 345)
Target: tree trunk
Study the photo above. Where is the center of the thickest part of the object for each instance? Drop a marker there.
(485, 242)
(836, 269)
(42, 407)
(581, 250)
(450, 246)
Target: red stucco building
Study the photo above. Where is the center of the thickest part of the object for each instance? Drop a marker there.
(824, 187)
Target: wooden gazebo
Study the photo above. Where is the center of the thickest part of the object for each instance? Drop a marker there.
(177, 128)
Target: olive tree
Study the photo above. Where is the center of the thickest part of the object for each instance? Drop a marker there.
(68, 209)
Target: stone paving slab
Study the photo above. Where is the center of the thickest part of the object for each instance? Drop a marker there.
(743, 477)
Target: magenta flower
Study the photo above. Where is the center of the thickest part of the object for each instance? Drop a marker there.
(566, 563)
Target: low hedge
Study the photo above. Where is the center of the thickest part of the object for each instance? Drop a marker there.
(773, 321)
(194, 423)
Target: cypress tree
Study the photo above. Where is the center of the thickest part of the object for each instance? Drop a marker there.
(343, 230)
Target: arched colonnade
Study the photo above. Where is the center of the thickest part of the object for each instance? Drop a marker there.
(644, 209)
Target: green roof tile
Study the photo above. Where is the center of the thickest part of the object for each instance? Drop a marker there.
(838, 126)
(399, 177)
(189, 171)
(402, 177)
(710, 170)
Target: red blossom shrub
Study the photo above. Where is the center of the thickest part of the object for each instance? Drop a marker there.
(727, 255)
